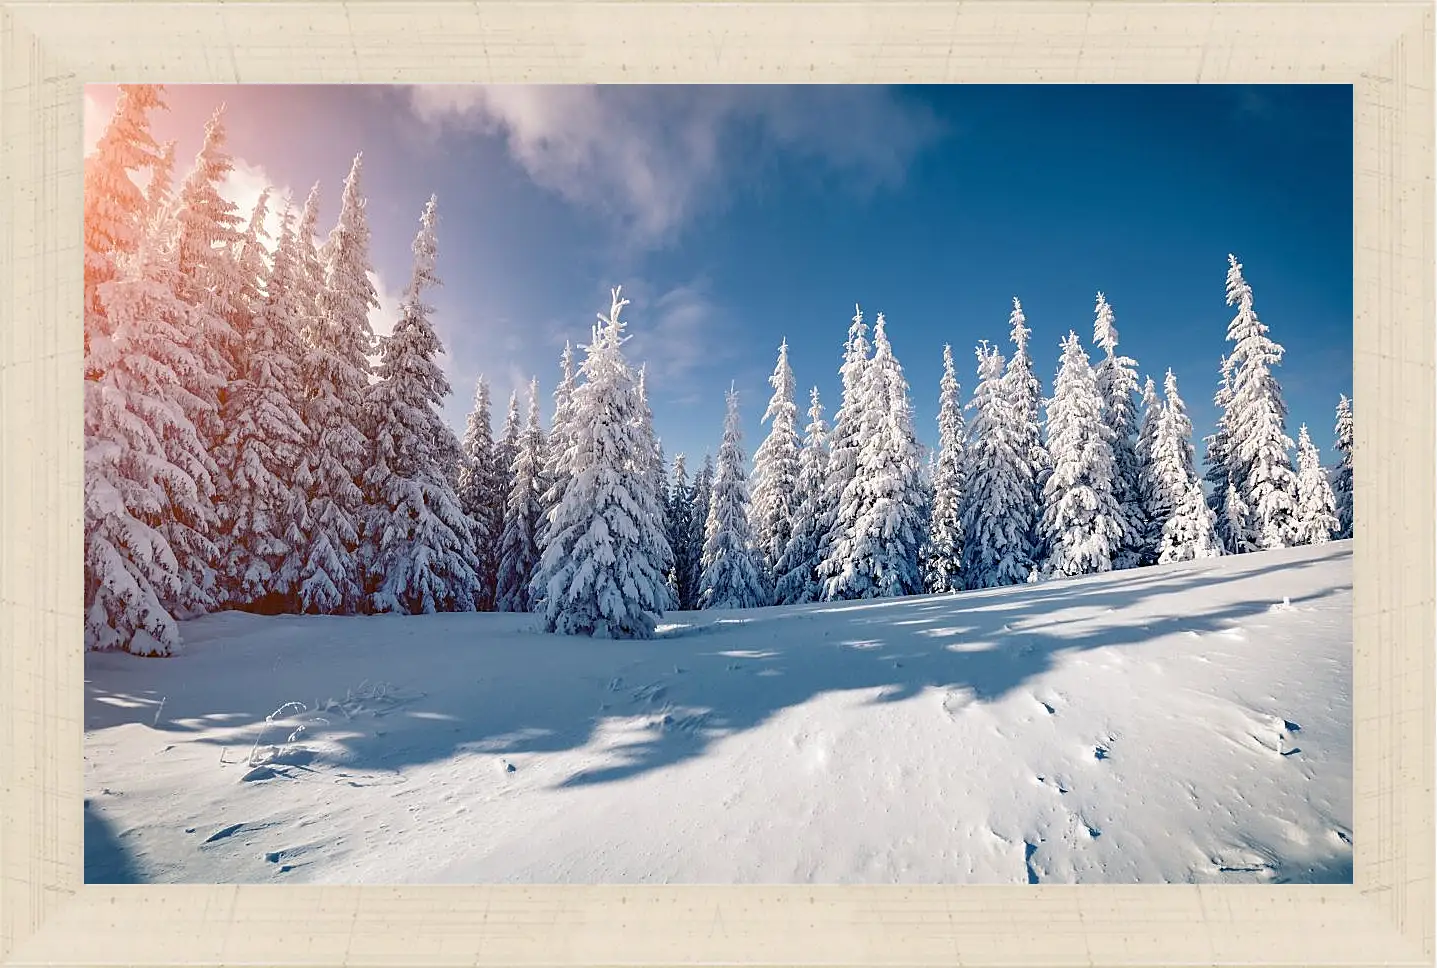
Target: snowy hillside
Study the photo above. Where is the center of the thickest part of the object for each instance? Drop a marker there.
(1182, 723)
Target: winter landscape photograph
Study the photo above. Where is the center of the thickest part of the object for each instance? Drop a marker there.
(722, 485)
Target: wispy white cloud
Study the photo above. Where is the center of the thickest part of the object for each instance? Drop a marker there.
(651, 157)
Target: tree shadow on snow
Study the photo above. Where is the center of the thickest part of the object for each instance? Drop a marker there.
(106, 860)
(646, 705)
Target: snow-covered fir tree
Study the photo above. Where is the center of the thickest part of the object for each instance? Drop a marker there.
(479, 497)
(519, 549)
(142, 455)
(776, 470)
(417, 541)
(556, 460)
(504, 453)
(944, 553)
(679, 525)
(731, 576)
(881, 516)
(702, 497)
(1153, 513)
(116, 210)
(997, 499)
(331, 577)
(1117, 381)
(1259, 458)
(798, 567)
(1316, 520)
(658, 487)
(251, 261)
(206, 232)
(1186, 524)
(265, 442)
(1219, 475)
(1025, 395)
(599, 560)
(1342, 472)
(1082, 519)
(844, 443)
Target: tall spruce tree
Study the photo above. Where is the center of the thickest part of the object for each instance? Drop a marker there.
(1259, 460)
(775, 491)
(555, 477)
(798, 568)
(1316, 519)
(880, 517)
(1153, 513)
(653, 476)
(519, 549)
(679, 524)
(997, 500)
(1082, 518)
(731, 577)
(1219, 475)
(265, 442)
(1186, 525)
(417, 544)
(142, 454)
(1117, 381)
(702, 497)
(843, 446)
(1342, 472)
(599, 560)
(332, 576)
(1025, 395)
(479, 497)
(944, 562)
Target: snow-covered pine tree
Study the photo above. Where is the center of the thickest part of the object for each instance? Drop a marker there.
(555, 476)
(1219, 472)
(478, 498)
(997, 501)
(775, 468)
(251, 260)
(142, 454)
(505, 452)
(798, 568)
(1153, 514)
(519, 550)
(332, 576)
(943, 565)
(417, 549)
(1260, 451)
(843, 446)
(701, 498)
(206, 231)
(265, 442)
(658, 487)
(1316, 520)
(601, 550)
(1025, 393)
(678, 521)
(731, 576)
(1117, 382)
(116, 211)
(1186, 524)
(1082, 519)
(1342, 472)
(882, 514)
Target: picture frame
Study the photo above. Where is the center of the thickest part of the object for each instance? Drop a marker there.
(49, 50)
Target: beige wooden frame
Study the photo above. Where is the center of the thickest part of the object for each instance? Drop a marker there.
(48, 50)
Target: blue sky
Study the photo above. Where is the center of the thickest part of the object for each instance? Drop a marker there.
(737, 216)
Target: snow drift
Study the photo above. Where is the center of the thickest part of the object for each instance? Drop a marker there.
(1183, 723)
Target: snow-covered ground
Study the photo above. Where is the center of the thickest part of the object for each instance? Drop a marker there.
(1186, 723)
